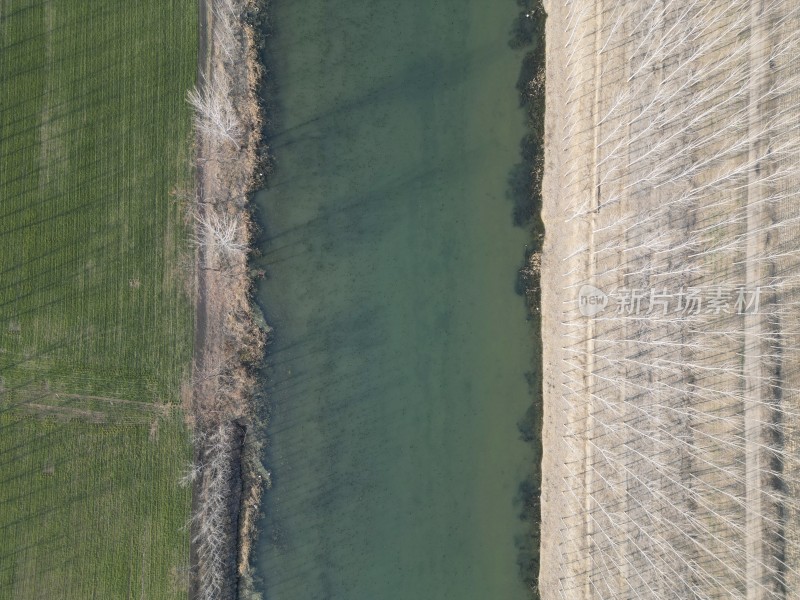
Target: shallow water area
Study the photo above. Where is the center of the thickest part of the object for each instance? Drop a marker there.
(396, 375)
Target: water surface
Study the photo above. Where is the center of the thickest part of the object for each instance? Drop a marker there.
(396, 375)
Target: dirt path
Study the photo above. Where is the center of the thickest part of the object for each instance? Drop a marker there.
(560, 239)
(756, 413)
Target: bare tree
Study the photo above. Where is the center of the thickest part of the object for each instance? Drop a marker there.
(216, 115)
(220, 234)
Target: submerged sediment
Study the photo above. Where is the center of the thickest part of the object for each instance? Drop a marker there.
(226, 475)
(529, 34)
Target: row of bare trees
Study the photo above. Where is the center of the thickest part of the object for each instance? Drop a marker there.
(681, 441)
(215, 475)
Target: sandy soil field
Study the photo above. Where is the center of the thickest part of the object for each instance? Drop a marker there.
(670, 282)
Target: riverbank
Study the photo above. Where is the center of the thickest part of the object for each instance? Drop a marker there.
(558, 242)
(229, 334)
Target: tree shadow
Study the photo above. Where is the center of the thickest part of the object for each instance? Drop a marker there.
(525, 178)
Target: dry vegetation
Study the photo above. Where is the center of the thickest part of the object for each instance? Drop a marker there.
(671, 440)
(226, 482)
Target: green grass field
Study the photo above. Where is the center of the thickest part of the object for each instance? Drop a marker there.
(95, 321)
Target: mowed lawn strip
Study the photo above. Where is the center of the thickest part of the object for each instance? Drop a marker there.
(95, 319)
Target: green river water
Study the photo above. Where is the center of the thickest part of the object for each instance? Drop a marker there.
(396, 376)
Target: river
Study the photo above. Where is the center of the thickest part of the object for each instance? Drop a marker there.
(396, 375)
